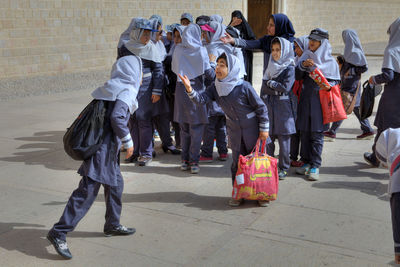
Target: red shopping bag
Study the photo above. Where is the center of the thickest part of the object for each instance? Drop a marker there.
(257, 176)
(331, 101)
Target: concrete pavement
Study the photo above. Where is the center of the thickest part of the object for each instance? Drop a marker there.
(183, 219)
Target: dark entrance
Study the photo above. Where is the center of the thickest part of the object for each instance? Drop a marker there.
(258, 13)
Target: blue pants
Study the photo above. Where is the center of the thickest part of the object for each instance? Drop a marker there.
(82, 199)
(284, 150)
(216, 128)
(395, 207)
(191, 135)
(162, 124)
(312, 144)
(364, 124)
(235, 158)
(295, 146)
(142, 136)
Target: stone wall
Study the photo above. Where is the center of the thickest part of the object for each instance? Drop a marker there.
(46, 37)
(370, 18)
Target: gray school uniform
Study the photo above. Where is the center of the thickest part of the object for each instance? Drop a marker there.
(310, 120)
(281, 114)
(388, 113)
(246, 114)
(101, 169)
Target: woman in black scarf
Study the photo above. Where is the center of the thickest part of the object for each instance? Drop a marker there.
(245, 32)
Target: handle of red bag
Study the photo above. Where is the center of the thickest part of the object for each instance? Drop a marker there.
(256, 149)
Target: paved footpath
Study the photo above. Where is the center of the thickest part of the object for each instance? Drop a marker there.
(183, 219)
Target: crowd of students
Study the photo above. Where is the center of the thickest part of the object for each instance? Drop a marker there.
(196, 78)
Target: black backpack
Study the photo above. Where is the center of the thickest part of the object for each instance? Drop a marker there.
(85, 136)
(367, 100)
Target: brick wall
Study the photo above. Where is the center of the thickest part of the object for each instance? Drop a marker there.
(370, 18)
(39, 37)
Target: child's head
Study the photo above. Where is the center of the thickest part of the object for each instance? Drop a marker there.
(221, 70)
(271, 26)
(145, 36)
(177, 37)
(169, 36)
(159, 32)
(340, 61)
(316, 37)
(276, 49)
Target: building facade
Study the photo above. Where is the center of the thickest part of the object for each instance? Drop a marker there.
(48, 37)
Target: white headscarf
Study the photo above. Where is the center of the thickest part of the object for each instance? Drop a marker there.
(216, 18)
(126, 75)
(287, 59)
(217, 47)
(124, 38)
(324, 60)
(190, 58)
(180, 29)
(148, 51)
(391, 59)
(353, 51)
(302, 42)
(155, 22)
(224, 87)
(388, 151)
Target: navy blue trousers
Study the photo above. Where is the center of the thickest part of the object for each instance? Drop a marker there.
(284, 150)
(191, 135)
(82, 199)
(364, 124)
(312, 144)
(216, 128)
(162, 125)
(142, 136)
(235, 158)
(395, 207)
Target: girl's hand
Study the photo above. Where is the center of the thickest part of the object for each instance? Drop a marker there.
(129, 152)
(227, 39)
(371, 80)
(263, 136)
(155, 98)
(323, 86)
(186, 83)
(212, 57)
(308, 63)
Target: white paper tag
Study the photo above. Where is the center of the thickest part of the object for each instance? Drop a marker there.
(239, 179)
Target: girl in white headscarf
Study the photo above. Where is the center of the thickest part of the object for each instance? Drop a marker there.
(276, 92)
(161, 111)
(355, 63)
(388, 152)
(102, 169)
(309, 112)
(191, 58)
(150, 91)
(300, 45)
(388, 113)
(246, 114)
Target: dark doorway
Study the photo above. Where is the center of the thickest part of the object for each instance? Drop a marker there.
(258, 13)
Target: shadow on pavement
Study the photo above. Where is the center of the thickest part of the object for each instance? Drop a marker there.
(371, 188)
(361, 170)
(24, 238)
(47, 149)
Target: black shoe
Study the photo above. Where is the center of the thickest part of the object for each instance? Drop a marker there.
(120, 230)
(60, 246)
(153, 154)
(131, 159)
(174, 151)
(371, 159)
(282, 174)
(144, 160)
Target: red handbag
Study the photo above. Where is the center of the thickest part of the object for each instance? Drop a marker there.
(331, 101)
(257, 176)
